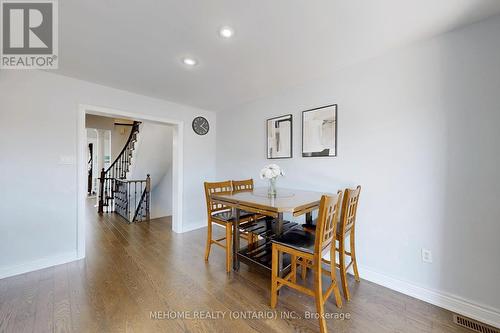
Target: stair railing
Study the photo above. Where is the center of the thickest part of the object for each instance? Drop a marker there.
(117, 170)
(133, 199)
(142, 210)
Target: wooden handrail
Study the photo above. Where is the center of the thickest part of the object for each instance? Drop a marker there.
(135, 129)
(131, 180)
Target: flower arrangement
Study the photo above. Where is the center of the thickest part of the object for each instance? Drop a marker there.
(271, 172)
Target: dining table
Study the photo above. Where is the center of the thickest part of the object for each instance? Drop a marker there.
(270, 224)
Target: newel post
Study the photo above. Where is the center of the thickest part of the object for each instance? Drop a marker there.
(100, 210)
(148, 183)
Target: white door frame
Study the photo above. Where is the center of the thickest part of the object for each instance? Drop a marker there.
(177, 158)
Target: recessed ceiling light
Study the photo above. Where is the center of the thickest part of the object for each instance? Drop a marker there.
(189, 61)
(226, 32)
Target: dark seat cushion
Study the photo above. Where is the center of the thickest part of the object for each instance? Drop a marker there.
(297, 239)
(228, 216)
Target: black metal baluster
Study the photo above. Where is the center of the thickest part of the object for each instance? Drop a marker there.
(128, 206)
(139, 206)
(106, 193)
(126, 160)
(135, 198)
(147, 205)
(109, 194)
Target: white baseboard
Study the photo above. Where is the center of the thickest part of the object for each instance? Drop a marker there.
(444, 300)
(194, 226)
(37, 264)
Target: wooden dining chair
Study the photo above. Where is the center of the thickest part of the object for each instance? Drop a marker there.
(246, 185)
(345, 229)
(300, 244)
(242, 185)
(222, 215)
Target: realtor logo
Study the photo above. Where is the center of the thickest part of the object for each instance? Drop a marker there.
(29, 34)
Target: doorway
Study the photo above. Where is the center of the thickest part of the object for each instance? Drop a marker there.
(82, 164)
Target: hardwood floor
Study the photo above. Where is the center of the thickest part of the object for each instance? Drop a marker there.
(132, 270)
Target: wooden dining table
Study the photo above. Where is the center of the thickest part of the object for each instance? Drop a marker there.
(257, 201)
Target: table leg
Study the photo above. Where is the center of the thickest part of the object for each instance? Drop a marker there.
(236, 239)
(279, 231)
(279, 224)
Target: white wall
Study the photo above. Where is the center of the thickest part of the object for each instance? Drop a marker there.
(153, 155)
(119, 137)
(38, 125)
(161, 196)
(419, 129)
(119, 133)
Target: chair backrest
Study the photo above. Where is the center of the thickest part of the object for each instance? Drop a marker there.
(349, 209)
(219, 188)
(329, 209)
(242, 185)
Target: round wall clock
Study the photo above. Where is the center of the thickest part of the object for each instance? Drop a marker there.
(200, 125)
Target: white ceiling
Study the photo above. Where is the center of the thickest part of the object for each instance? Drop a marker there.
(138, 45)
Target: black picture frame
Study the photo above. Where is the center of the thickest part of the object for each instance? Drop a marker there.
(335, 137)
(283, 118)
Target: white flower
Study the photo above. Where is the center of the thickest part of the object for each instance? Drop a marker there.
(271, 171)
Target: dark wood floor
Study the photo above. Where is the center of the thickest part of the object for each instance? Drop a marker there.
(131, 270)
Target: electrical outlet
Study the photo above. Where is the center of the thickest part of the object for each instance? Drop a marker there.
(427, 256)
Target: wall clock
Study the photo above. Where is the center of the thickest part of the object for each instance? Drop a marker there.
(200, 125)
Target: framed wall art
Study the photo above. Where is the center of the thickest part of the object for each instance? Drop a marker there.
(279, 137)
(319, 131)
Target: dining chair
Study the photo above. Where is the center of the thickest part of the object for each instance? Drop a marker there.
(310, 247)
(223, 216)
(246, 185)
(345, 229)
(242, 185)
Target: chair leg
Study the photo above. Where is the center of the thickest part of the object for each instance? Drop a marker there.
(343, 272)
(274, 282)
(333, 276)
(294, 269)
(318, 295)
(353, 255)
(228, 247)
(209, 240)
(303, 269)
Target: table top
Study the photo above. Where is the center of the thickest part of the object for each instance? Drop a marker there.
(292, 201)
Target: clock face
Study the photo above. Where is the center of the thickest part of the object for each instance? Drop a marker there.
(200, 126)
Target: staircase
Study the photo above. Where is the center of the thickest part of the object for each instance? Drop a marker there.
(128, 198)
